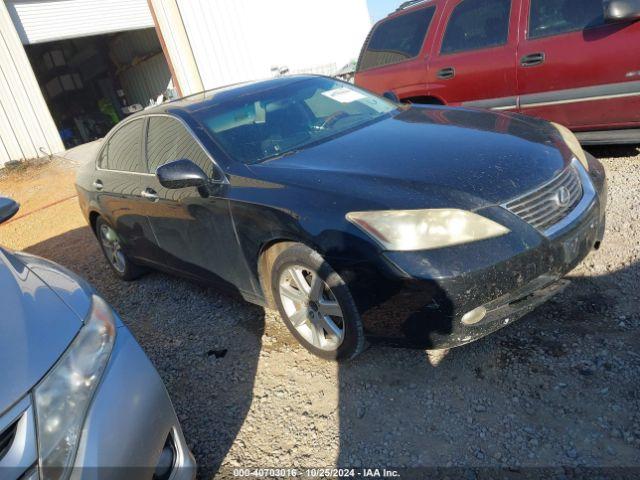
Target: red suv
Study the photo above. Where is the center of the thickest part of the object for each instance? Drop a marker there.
(575, 62)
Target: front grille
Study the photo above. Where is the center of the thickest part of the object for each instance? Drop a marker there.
(549, 204)
(6, 439)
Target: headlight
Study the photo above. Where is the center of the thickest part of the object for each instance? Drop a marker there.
(62, 398)
(573, 143)
(406, 230)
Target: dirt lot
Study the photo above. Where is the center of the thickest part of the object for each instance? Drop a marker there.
(561, 387)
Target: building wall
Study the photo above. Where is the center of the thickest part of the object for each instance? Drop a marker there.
(26, 126)
(176, 46)
(237, 40)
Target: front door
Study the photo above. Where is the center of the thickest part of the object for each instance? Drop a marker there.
(195, 233)
(577, 70)
(474, 64)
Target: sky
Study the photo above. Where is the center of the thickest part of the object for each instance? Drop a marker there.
(381, 8)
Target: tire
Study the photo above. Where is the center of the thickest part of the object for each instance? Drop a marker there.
(121, 265)
(320, 313)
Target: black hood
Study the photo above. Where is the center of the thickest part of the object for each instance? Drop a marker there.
(491, 157)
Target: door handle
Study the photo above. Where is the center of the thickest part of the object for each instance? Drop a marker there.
(98, 185)
(532, 59)
(447, 73)
(150, 194)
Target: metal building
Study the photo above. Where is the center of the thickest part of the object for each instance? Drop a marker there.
(70, 69)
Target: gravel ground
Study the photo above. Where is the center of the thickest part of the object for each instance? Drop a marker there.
(561, 387)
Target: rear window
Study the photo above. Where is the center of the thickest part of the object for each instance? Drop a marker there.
(397, 39)
(124, 150)
(553, 17)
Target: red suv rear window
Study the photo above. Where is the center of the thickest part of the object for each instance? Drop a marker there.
(396, 39)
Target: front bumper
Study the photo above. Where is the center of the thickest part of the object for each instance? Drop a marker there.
(424, 295)
(130, 420)
(125, 431)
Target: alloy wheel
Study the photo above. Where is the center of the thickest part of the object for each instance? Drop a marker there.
(112, 249)
(311, 307)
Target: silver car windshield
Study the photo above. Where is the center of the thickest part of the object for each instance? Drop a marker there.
(282, 120)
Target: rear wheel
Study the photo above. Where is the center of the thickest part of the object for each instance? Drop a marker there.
(118, 260)
(316, 304)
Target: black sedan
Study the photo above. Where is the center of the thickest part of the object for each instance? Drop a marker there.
(352, 215)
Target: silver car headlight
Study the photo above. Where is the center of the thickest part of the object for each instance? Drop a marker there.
(407, 230)
(573, 143)
(63, 397)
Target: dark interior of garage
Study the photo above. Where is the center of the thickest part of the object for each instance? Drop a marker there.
(91, 83)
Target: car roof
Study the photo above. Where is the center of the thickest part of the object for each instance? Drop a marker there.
(408, 7)
(219, 96)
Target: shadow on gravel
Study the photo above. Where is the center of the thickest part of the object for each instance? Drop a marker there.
(557, 388)
(190, 333)
(614, 151)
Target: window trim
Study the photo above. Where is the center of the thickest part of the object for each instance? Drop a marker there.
(189, 130)
(384, 20)
(485, 47)
(549, 35)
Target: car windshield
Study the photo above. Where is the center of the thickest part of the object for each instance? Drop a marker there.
(285, 119)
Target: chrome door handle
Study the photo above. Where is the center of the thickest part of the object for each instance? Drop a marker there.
(98, 185)
(447, 73)
(149, 194)
(533, 59)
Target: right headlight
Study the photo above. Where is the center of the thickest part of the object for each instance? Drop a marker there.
(407, 230)
(573, 143)
(63, 397)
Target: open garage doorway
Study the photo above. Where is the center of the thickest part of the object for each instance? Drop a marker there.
(91, 83)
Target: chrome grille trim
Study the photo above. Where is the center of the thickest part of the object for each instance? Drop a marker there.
(541, 207)
(21, 451)
(6, 438)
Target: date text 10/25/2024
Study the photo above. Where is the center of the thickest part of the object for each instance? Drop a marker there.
(316, 473)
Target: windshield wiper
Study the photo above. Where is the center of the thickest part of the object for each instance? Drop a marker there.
(281, 155)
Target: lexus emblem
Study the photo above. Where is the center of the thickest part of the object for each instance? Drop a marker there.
(563, 196)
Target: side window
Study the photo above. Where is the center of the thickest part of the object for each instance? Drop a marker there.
(168, 140)
(476, 24)
(553, 17)
(397, 39)
(124, 151)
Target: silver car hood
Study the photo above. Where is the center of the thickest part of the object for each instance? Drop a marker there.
(36, 324)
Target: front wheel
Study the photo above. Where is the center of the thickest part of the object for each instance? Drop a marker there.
(316, 304)
(118, 260)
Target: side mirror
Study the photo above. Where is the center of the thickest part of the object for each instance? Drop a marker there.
(8, 208)
(619, 10)
(391, 96)
(181, 174)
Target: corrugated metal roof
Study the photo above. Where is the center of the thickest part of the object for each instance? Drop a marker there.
(40, 21)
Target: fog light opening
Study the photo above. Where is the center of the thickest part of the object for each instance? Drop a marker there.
(474, 316)
(166, 462)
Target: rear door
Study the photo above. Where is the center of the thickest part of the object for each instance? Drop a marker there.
(576, 69)
(118, 188)
(474, 61)
(195, 232)
(392, 58)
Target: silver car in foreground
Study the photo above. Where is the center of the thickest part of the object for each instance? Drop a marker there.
(78, 396)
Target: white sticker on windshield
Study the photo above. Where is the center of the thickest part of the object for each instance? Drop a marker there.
(344, 95)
